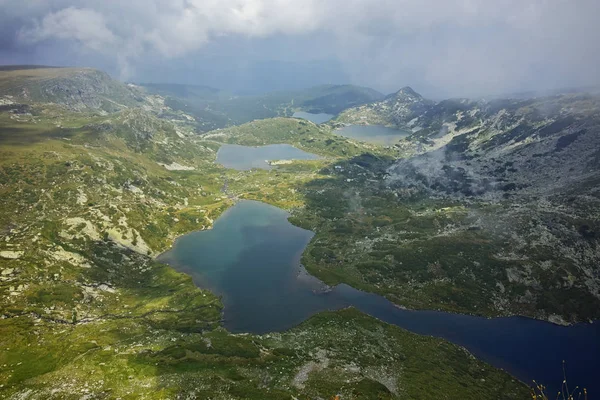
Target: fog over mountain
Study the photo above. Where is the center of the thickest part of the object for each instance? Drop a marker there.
(442, 48)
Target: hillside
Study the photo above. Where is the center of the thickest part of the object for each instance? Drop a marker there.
(78, 89)
(549, 143)
(396, 110)
(492, 209)
(92, 194)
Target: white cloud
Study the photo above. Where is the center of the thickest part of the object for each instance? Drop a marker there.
(451, 44)
(85, 26)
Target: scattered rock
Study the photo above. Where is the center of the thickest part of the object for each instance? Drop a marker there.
(177, 167)
(11, 255)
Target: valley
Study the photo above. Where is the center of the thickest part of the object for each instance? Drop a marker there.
(486, 208)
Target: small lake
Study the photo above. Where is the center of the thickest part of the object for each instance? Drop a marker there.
(377, 134)
(247, 157)
(251, 258)
(316, 118)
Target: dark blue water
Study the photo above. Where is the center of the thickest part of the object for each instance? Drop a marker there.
(377, 134)
(248, 157)
(251, 258)
(316, 118)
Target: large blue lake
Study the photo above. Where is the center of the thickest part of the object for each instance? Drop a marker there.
(316, 118)
(251, 258)
(247, 157)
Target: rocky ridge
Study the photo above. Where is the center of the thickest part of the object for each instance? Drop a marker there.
(527, 172)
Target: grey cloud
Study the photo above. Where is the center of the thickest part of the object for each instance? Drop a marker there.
(459, 47)
(86, 26)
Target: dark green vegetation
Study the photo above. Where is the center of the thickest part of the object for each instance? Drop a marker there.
(342, 353)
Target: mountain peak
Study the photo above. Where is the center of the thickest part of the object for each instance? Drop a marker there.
(405, 94)
(408, 91)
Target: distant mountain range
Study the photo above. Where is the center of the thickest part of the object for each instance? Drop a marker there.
(223, 108)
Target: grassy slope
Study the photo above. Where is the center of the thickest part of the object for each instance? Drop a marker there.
(84, 315)
(424, 252)
(519, 253)
(78, 88)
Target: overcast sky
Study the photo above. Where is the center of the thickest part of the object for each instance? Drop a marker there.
(439, 47)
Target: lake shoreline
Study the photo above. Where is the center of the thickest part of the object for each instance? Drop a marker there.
(244, 158)
(269, 303)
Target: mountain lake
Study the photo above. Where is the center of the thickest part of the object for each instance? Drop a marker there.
(247, 157)
(251, 257)
(316, 118)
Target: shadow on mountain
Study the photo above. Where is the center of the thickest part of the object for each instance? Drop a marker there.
(25, 136)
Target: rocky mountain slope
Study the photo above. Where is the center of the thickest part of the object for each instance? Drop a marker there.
(396, 110)
(78, 89)
(514, 186)
(492, 148)
(54, 94)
